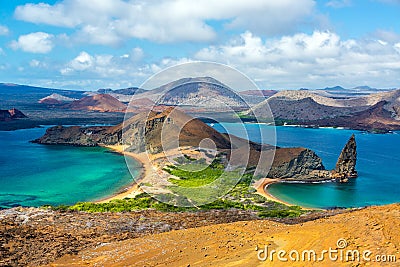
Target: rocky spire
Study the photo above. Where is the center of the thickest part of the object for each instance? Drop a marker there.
(346, 164)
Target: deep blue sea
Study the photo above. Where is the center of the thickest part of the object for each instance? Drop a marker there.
(35, 175)
(378, 165)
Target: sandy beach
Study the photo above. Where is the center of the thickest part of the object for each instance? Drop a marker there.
(145, 170)
(261, 186)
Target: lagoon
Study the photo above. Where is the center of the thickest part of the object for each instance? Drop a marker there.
(36, 175)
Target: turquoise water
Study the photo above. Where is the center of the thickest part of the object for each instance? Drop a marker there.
(35, 175)
(378, 165)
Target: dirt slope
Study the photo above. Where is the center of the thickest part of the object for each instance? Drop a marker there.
(99, 102)
(236, 244)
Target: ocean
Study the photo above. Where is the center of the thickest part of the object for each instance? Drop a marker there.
(378, 164)
(36, 175)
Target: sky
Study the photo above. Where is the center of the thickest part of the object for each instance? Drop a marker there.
(286, 44)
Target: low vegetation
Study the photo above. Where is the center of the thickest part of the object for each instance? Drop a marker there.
(242, 196)
(195, 173)
(144, 201)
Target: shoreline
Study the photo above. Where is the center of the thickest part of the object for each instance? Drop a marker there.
(262, 189)
(133, 188)
(261, 186)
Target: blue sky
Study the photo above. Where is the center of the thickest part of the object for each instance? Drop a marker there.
(284, 44)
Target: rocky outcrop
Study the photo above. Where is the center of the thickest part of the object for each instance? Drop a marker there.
(81, 136)
(11, 114)
(295, 163)
(140, 133)
(346, 164)
(300, 164)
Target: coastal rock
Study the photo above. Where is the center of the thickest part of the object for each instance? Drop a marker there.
(300, 164)
(141, 132)
(295, 163)
(81, 136)
(346, 164)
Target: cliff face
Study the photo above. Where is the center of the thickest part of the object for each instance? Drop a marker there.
(303, 164)
(346, 164)
(295, 163)
(152, 132)
(81, 136)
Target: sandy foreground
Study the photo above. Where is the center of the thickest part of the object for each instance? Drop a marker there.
(373, 232)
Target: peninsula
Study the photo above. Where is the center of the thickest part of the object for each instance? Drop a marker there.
(141, 137)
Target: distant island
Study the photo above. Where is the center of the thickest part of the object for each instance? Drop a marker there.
(11, 114)
(359, 108)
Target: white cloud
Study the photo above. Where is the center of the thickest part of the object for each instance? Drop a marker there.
(105, 66)
(37, 42)
(136, 54)
(313, 60)
(251, 49)
(397, 47)
(110, 22)
(34, 63)
(339, 3)
(386, 36)
(4, 30)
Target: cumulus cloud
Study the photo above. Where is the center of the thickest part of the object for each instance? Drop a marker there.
(109, 22)
(37, 42)
(313, 60)
(104, 66)
(316, 59)
(4, 30)
(387, 36)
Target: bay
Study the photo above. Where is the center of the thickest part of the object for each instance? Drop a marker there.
(36, 175)
(378, 164)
